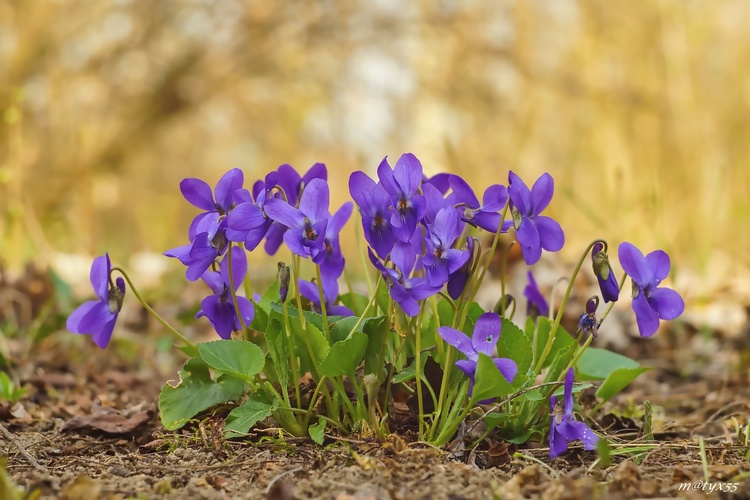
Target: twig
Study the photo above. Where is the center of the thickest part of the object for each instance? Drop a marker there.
(10, 437)
(285, 473)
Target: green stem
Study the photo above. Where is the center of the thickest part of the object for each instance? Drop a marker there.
(153, 313)
(418, 370)
(234, 293)
(292, 358)
(558, 317)
(295, 272)
(367, 308)
(323, 311)
(313, 399)
(362, 252)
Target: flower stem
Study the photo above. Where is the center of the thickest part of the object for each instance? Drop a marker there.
(418, 370)
(292, 358)
(323, 311)
(295, 271)
(367, 308)
(558, 317)
(192, 347)
(234, 294)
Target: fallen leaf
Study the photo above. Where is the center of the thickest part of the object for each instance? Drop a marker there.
(109, 420)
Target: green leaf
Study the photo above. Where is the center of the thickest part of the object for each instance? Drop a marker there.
(617, 381)
(488, 381)
(515, 345)
(278, 351)
(269, 297)
(300, 338)
(598, 364)
(562, 343)
(238, 358)
(355, 302)
(317, 431)
(343, 327)
(410, 372)
(310, 317)
(195, 393)
(376, 330)
(243, 418)
(344, 357)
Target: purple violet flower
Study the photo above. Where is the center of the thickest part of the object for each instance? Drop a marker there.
(485, 215)
(407, 292)
(536, 304)
(440, 260)
(309, 290)
(202, 252)
(216, 204)
(98, 317)
(650, 302)
(307, 224)
(563, 426)
(533, 231)
(247, 222)
(219, 307)
(402, 184)
(374, 205)
(604, 274)
(483, 340)
(293, 185)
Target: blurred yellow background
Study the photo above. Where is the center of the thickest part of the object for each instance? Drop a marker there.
(639, 110)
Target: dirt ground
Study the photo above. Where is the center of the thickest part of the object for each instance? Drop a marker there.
(699, 387)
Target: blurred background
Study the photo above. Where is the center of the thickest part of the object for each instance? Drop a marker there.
(639, 110)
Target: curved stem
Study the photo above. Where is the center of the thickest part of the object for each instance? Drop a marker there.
(558, 317)
(367, 308)
(234, 293)
(503, 270)
(153, 313)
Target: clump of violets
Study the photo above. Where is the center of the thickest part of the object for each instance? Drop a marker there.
(426, 238)
(98, 317)
(651, 302)
(563, 426)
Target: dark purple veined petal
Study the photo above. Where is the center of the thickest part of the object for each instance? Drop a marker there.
(507, 367)
(448, 226)
(289, 181)
(658, 263)
(557, 443)
(283, 213)
(459, 340)
(440, 181)
(486, 333)
(457, 283)
(362, 189)
(420, 289)
(551, 236)
(408, 173)
(403, 257)
(408, 304)
(519, 193)
(225, 188)
(198, 193)
(666, 302)
(198, 223)
(103, 334)
(541, 193)
(434, 202)
(182, 253)
(315, 200)
(645, 316)
(455, 259)
(99, 276)
(317, 246)
(528, 237)
(494, 199)
(274, 238)
(437, 273)
(380, 238)
(295, 239)
(633, 262)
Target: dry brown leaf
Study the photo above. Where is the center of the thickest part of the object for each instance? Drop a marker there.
(109, 420)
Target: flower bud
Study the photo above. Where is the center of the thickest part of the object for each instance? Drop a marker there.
(587, 322)
(283, 277)
(604, 274)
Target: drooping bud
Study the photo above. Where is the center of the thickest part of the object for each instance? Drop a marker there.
(587, 322)
(457, 281)
(504, 304)
(604, 273)
(116, 295)
(536, 304)
(283, 277)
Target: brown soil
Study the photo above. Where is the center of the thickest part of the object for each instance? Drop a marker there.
(701, 391)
